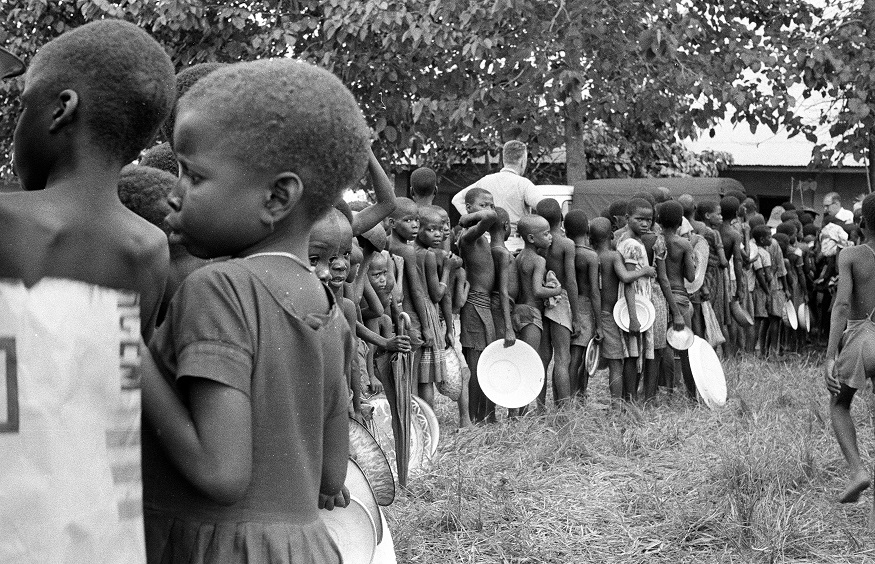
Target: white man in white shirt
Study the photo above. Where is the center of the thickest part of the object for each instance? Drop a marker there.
(832, 205)
(509, 189)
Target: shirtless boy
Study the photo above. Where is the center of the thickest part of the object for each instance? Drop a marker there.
(613, 272)
(589, 302)
(477, 325)
(737, 256)
(506, 280)
(561, 314)
(850, 354)
(532, 269)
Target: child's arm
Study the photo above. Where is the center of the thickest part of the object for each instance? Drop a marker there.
(737, 255)
(571, 289)
(665, 286)
(395, 343)
(476, 225)
(800, 277)
(761, 279)
(541, 291)
(210, 440)
(627, 276)
(384, 192)
(436, 283)
(417, 292)
(689, 261)
(335, 441)
(595, 296)
(502, 271)
(446, 306)
(721, 250)
(838, 320)
(372, 301)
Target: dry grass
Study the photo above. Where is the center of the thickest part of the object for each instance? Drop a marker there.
(753, 482)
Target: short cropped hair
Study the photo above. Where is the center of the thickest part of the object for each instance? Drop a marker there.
(704, 208)
(788, 215)
(689, 204)
(423, 182)
(144, 191)
(737, 194)
(472, 194)
(124, 77)
(789, 206)
(501, 216)
(760, 231)
(786, 228)
(638, 204)
(645, 196)
(729, 207)
(618, 208)
(430, 213)
(160, 157)
(549, 209)
(805, 218)
(671, 214)
(513, 152)
(599, 230)
(660, 194)
(527, 224)
(756, 219)
(576, 223)
(809, 229)
(185, 79)
(869, 212)
(782, 239)
(403, 207)
(288, 115)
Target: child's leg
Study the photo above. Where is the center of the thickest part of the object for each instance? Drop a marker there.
(773, 335)
(652, 373)
(615, 381)
(560, 339)
(545, 351)
(531, 335)
(687, 371)
(426, 392)
(761, 324)
(577, 374)
(846, 435)
(630, 379)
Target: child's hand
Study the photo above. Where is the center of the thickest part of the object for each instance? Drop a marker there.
(509, 337)
(832, 383)
(575, 328)
(598, 334)
(330, 501)
(634, 325)
(427, 337)
(678, 322)
(398, 343)
(455, 261)
(450, 338)
(376, 387)
(650, 271)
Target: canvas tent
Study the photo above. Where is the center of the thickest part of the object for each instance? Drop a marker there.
(594, 196)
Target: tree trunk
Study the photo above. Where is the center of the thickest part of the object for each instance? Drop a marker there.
(575, 148)
(869, 22)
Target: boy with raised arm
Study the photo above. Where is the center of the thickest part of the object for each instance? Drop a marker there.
(613, 272)
(506, 281)
(589, 303)
(477, 325)
(850, 354)
(561, 313)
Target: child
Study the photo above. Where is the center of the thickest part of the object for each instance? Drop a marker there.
(506, 281)
(432, 367)
(423, 186)
(736, 257)
(613, 272)
(83, 278)
(674, 264)
(638, 345)
(850, 354)
(246, 399)
(561, 313)
(708, 212)
(589, 302)
(384, 192)
(477, 325)
(762, 268)
(404, 223)
(532, 270)
(779, 293)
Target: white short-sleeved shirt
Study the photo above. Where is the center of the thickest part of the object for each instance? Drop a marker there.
(511, 191)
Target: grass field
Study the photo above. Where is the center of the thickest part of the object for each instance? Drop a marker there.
(752, 482)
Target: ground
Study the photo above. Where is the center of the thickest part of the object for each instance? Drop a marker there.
(755, 481)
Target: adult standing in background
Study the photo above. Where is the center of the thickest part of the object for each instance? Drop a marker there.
(509, 188)
(832, 205)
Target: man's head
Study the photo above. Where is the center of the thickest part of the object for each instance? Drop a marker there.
(423, 183)
(108, 80)
(514, 154)
(832, 203)
(549, 209)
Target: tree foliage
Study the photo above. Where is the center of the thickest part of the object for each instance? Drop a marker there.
(442, 81)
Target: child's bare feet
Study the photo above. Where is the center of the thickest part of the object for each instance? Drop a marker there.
(857, 484)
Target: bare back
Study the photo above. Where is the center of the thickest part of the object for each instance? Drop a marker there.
(608, 260)
(479, 266)
(585, 262)
(678, 262)
(558, 255)
(860, 261)
(105, 244)
(529, 264)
